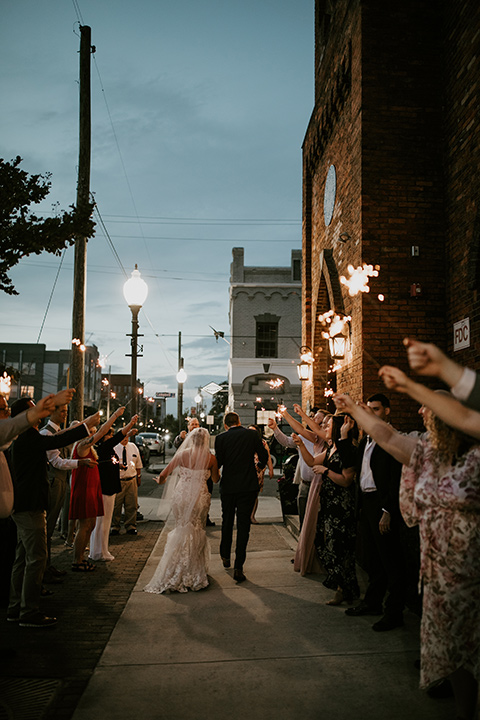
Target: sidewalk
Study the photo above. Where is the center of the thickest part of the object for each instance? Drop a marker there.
(268, 648)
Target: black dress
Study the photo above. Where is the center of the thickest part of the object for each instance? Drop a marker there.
(108, 464)
(336, 531)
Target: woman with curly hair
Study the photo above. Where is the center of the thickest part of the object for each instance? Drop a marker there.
(440, 492)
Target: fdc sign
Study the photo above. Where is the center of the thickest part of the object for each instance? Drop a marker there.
(461, 334)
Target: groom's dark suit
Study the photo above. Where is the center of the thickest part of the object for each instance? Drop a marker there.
(235, 450)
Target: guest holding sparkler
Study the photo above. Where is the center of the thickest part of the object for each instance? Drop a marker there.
(337, 509)
(86, 502)
(304, 560)
(440, 491)
(260, 471)
(313, 440)
(109, 469)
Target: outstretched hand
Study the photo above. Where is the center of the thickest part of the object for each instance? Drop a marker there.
(425, 358)
(348, 424)
(297, 408)
(92, 420)
(394, 378)
(271, 423)
(297, 439)
(344, 402)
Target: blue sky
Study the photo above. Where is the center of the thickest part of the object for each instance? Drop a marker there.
(199, 110)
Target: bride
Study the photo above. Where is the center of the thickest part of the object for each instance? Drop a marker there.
(184, 562)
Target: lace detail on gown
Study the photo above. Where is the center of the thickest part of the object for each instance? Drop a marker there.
(184, 563)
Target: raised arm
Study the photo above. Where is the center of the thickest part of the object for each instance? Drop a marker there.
(428, 359)
(84, 446)
(128, 429)
(445, 407)
(283, 439)
(296, 426)
(316, 430)
(398, 445)
(310, 460)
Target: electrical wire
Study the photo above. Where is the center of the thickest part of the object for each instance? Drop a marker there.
(51, 295)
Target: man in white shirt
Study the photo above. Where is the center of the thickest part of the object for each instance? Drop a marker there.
(380, 521)
(130, 476)
(59, 466)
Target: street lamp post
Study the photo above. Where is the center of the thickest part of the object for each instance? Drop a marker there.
(181, 377)
(135, 292)
(198, 401)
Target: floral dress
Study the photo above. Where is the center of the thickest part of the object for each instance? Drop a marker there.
(444, 500)
(336, 532)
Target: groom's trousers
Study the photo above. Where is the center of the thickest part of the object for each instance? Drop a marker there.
(240, 504)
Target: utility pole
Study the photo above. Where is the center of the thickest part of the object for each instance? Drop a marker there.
(77, 362)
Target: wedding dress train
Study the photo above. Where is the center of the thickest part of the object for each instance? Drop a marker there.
(184, 563)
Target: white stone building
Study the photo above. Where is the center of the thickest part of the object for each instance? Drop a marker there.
(265, 329)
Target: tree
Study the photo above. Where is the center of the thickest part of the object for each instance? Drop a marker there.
(21, 232)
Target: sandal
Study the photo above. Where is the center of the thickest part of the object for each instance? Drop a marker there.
(83, 566)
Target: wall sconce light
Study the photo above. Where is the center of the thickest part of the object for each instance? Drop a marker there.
(337, 332)
(344, 237)
(303, 368)
(337, 345)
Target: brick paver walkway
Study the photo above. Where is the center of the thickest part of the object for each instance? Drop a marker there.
(51, 668)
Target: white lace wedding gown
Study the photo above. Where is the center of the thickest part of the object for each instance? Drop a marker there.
(185, 559)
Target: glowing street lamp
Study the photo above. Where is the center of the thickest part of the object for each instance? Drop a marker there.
(135, 292)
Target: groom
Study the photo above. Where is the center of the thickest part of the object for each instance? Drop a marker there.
(235, 450)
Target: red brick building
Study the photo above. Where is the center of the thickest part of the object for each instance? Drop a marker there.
(395, 130)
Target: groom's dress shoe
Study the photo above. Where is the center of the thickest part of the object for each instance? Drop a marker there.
(388, 622)
(238, 575)
(226, 563)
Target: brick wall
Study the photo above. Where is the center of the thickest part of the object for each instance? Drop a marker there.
(405, 179)
(461, 38)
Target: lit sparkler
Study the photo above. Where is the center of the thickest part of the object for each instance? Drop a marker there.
(5, 384)
(280, 410)
(275, 384)
(358, 280)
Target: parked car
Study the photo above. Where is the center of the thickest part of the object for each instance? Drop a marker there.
(154, 442)
(143, 449)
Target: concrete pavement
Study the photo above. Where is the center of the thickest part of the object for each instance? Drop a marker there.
(268, 648)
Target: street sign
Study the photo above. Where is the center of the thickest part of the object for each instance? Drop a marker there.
(213, 388)
(164, 395)
(461, 334)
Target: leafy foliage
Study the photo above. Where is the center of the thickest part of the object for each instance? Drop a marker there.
(23, 233)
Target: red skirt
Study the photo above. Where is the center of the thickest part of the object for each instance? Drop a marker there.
(86, 493)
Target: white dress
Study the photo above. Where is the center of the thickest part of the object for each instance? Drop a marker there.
(184, 563)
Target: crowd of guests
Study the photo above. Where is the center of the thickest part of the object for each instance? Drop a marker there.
(34, 490)
(414, 499)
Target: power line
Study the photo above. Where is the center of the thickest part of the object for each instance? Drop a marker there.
(51, 295)
(146, 220)
(235, 241)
